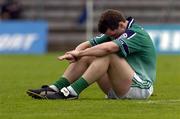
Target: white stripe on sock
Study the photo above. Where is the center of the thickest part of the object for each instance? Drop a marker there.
(72, 91)
(54, 88)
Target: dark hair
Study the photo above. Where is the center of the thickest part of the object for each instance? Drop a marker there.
(110, 19)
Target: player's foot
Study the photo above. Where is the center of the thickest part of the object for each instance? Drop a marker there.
(63, 94)
(40, 93)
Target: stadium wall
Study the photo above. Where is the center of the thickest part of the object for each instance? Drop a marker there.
(65, 31)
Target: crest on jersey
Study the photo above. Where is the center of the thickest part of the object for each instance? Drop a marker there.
(127, 34)
(124, 35)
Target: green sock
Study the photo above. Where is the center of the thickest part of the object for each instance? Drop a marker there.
(62, 82)
(79, 85)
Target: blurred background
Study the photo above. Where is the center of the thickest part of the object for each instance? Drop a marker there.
(63, 24)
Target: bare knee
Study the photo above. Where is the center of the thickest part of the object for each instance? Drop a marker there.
(115, 56)
(87, 59)
(115, 59)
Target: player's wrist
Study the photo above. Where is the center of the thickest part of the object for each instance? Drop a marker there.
(80, 53)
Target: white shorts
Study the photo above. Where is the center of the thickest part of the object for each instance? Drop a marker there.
(134, 92)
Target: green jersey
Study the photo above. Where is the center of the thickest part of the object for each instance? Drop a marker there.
(137, 48)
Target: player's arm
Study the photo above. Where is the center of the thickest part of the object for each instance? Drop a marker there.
(98, 46)
(100, 50)
(80, 47)
(83, 45)
(93, 41)
(97, 51)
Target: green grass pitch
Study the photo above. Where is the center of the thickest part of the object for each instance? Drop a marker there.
(20, 72)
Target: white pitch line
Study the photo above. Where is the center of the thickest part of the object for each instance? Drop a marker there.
(160, 101)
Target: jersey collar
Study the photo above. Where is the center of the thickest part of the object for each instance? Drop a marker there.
(130, 22)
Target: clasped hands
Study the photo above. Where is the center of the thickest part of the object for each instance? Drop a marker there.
(71, 56)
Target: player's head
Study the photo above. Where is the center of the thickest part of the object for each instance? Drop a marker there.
(112, 23)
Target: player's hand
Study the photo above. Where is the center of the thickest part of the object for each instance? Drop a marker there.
(74, 53)
(71, 56)
(68, 57)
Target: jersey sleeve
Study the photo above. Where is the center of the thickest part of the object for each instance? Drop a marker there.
(129, 42)
(99, 39)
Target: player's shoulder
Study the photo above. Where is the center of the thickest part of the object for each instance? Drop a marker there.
(138, 29)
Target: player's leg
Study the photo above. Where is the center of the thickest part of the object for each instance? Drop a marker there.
(72, 73)
(97, 69)
(104, 84)
(118, 78)
(119, 71)
(125, 82)
(76, 69)
(120, 75)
